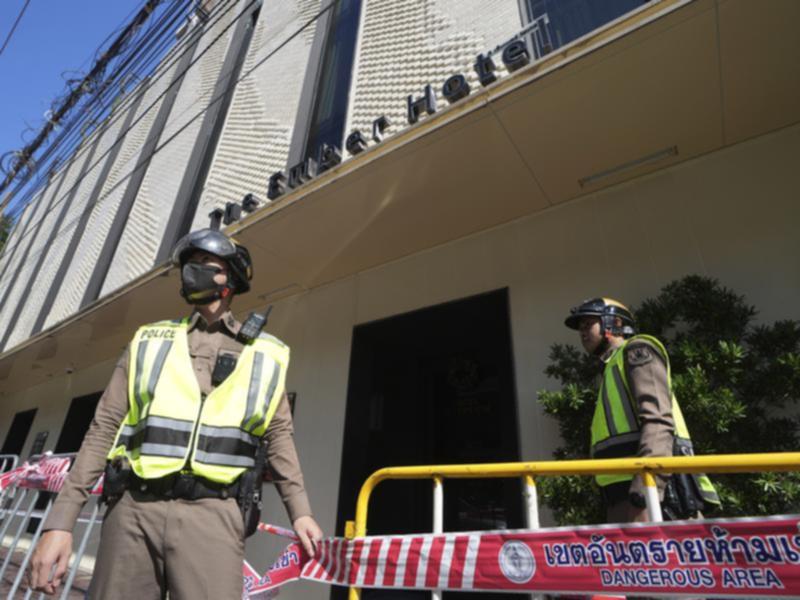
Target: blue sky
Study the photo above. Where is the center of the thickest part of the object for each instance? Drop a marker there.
(53, 36)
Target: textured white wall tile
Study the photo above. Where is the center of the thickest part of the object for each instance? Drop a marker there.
(38, 244)
(103, 138)
(20, 234)
(140, 242)
(258, 130)
(407, 44)
(102, 213)
(111, 195)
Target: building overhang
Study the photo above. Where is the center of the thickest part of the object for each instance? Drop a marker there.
(674, 81)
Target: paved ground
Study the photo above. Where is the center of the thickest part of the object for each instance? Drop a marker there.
(79, 586)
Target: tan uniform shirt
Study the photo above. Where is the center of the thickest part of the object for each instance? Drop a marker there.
(646, 372)
(205, 343)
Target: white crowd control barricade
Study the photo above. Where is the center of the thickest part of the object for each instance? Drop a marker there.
(647, 468)
(28, 492)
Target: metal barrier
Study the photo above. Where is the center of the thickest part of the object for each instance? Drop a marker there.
(22, 509)
(646, 467)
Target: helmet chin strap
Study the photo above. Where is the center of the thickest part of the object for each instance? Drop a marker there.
(603, 346)
(208, 296)
(601, 349)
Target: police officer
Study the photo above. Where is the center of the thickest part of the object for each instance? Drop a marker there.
(180, 424)
(636, 413)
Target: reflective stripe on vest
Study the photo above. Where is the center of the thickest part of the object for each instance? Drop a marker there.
(615, 424)
(171, 427)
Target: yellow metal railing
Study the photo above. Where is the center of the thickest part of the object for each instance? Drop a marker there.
(646, 467)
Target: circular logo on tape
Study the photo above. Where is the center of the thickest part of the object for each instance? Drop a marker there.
(517, 562)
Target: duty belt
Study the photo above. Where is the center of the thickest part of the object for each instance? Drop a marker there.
(183, 486)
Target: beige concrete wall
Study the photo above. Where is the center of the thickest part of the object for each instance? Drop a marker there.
(730, 215)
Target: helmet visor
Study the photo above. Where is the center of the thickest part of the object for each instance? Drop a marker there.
(205, 240)
(588, 308)
(574, 320)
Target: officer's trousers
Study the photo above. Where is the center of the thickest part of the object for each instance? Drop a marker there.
(192, 549)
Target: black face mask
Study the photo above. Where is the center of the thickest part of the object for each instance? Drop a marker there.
(199, 286)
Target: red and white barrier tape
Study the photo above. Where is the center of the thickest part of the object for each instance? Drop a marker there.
(733, 557)
(720, 558)
(279, 531)
(282, 571)
(46, 474)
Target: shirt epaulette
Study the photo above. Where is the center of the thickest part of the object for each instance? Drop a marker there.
(164, 323)
(272, 338)
(634, 347)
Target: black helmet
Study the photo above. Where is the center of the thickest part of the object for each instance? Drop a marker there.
(220, 245)
(608, 310)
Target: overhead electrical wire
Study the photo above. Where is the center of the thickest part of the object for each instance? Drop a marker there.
(76, 112)
(103, 99)
(76, 131)
(113, 33)
(87, 92)
(175, 134)
(96, 55)
(129, 97)
(64, 107)
(126, 99)
(197, 31)
(167, 62)
(104, 103)
(14, 26)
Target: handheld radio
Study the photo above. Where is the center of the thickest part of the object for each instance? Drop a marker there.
(253, 325)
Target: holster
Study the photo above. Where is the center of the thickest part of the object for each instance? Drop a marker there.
(116, 479)
(682, 499)
(249, 496)
(682, 496)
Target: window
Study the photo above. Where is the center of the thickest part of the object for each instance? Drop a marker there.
(555, 23)
(333, 85)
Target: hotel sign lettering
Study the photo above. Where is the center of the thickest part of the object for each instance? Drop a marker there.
(514, 55)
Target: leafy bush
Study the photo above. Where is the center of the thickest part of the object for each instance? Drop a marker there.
(737, 383)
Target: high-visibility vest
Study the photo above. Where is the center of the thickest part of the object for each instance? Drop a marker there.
(615, 424)
(171, 426)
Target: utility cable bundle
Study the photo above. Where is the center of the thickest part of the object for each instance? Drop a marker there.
(77, 108)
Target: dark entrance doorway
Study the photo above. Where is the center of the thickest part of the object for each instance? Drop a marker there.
(18, 432)
(76, 424)
(434, 386)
